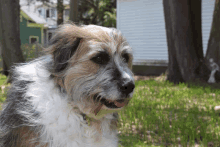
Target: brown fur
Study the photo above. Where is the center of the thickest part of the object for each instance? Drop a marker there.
(84, 67)
(80, 66)
(88, 66)
(25, 138)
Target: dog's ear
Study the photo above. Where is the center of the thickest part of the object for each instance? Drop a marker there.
(63, 49)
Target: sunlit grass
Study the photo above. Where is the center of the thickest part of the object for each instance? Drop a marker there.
(3, 89)
(164, 114)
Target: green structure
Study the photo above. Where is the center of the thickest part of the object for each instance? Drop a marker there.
(30, 31)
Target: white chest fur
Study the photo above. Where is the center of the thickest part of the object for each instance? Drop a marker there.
(63, 127)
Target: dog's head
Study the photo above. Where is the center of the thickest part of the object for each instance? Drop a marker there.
(93, 65)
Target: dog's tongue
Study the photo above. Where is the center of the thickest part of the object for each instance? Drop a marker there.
(120, 104)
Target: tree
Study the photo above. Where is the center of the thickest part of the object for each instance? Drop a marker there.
(214, 39)
(73, 11)
(99, 12)
(10, 34)
(60, 9)
(184, 38)
(44, 1)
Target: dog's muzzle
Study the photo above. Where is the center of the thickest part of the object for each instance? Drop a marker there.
(125, 89)
(111, 103)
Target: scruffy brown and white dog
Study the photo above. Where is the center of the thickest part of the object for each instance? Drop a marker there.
(70, 97)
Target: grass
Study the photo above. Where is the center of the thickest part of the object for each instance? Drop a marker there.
(164, 114)
(3, 88)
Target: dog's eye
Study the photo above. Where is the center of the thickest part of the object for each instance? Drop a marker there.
(101, 58)
(125, 57)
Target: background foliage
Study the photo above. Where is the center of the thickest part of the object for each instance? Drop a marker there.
(100, 12)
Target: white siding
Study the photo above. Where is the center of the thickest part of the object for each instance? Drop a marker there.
(207, 16)
(142, 23)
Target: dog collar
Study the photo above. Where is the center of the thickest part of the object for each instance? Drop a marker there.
(87, 119)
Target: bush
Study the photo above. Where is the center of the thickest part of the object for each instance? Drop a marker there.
(31, 51)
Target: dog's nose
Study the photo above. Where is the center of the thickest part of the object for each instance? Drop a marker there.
(126, 87)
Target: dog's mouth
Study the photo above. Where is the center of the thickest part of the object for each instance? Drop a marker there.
(112, 104)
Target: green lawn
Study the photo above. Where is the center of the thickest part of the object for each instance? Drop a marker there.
(3, 88)
(164, 114)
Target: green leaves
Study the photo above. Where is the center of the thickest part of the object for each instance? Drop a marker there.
(101, 12)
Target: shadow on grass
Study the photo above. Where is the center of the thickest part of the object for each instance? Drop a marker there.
(203, 84)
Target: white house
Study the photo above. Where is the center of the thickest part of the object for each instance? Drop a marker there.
(49, 12)
(46, 12)
(142, 23)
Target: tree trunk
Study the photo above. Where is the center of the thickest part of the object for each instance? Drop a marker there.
(73, 11)
(184, 39)
(60, 9)
(10, 34)
(214, 39)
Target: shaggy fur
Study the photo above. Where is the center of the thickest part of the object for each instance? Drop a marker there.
(70, 96)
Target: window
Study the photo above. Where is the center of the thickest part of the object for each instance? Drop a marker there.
(39, 11)
(67, 12)
(33, 39)
(52, 12)
(49, 36)
(47, 13)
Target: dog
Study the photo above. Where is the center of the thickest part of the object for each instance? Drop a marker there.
(70, 96)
